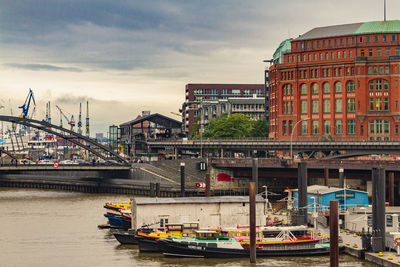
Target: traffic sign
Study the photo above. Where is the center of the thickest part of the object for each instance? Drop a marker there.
(199, 185)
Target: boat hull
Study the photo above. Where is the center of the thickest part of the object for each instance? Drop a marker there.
(177, 249)
(126, 238)
(148, 244)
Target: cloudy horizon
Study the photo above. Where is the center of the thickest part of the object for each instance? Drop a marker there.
(128, 56)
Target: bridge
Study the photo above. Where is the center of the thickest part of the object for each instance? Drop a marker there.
(354, 147)
(89, 144)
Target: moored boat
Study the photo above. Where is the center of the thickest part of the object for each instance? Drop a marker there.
(210, 244)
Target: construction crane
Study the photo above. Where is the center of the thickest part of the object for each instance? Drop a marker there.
(87, 119)
(80, 119)
(26, 105)
(71, 121)
(177, 114)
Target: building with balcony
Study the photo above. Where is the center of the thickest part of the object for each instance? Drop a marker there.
(251, 106)
(340, 82)
(196, 93)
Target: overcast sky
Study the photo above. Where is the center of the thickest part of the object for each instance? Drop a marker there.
(128, 56)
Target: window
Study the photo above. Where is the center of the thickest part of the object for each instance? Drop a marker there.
(350, 87)
(315, 128)
(393, 38)
(338, 105)
(371, 104)
(386, 126)
(375, 70)
(303, 107)
(338, 127)
(362, 52)
(350, 53)
(384, 38)
(370, 52)
(235, 91)
(351, 127)
(344, 54)
(304, 129)
(389, 221)
(397, 52)
(290, 127)
(303, 89)
(351, 105)
(376, 38)
(338, 87)
(327, 88)
(378, 52)
(386, 70)
(327, 127)
(378, 126)
(284, 128)
(367, 39)
(318, 44)
(314, 88)
(387, 52)
(396, 129)
(327, 106)
(360, 39)
(371, 126)
(378, 104)
(315, 106)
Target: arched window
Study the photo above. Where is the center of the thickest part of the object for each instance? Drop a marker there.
(327, 88)
(350, 86)
(314, 88)
(338, 87)
(303, 89)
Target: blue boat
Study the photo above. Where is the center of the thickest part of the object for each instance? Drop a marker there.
(119, 221)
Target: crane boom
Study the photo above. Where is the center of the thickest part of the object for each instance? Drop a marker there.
(26, 105)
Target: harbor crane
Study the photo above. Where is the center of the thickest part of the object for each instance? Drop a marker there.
(71, 121)
(80, 119)
(26, 105)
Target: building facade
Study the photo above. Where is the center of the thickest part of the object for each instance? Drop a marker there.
(340, 82)
(196, 93)
(251, 106)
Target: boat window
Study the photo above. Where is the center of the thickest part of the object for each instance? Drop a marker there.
(212, 245)
(184, 242)
(202, 244)
(193, 243)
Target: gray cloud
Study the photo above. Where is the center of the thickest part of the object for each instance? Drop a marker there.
(38, 67)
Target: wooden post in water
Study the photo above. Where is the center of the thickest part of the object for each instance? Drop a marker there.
(252, 200)
(334, 232)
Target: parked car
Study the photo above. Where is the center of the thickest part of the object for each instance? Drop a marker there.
(68, 162)
(25, 162)
(46, 162)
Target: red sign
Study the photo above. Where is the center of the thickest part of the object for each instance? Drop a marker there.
(55, 164)
(222, 177)
(199, 185)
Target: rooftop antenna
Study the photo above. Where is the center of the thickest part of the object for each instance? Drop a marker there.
(384, 10)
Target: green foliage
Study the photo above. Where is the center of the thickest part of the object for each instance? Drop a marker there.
(195, 127)
(260, 128)
(236, 126)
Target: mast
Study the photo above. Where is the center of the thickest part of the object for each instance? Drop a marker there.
(87, 119)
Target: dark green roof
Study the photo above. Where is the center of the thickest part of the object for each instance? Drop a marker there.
(390, 26)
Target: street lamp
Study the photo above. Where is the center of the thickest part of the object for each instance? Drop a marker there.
(291, 137)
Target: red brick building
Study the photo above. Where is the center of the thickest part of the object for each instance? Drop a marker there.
(195, 93)
(339, 81)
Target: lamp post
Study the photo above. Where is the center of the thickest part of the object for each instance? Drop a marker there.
(314, 214)
(291, 137)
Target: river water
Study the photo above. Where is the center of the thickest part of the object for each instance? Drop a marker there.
(53, 228)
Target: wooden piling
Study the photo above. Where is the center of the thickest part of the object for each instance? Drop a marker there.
(334, 233)
(252, 200)
(391, 188)
(182, 179)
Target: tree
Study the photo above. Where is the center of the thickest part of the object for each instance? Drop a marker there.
(195, 127)
(260, 128)
(236, 126)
